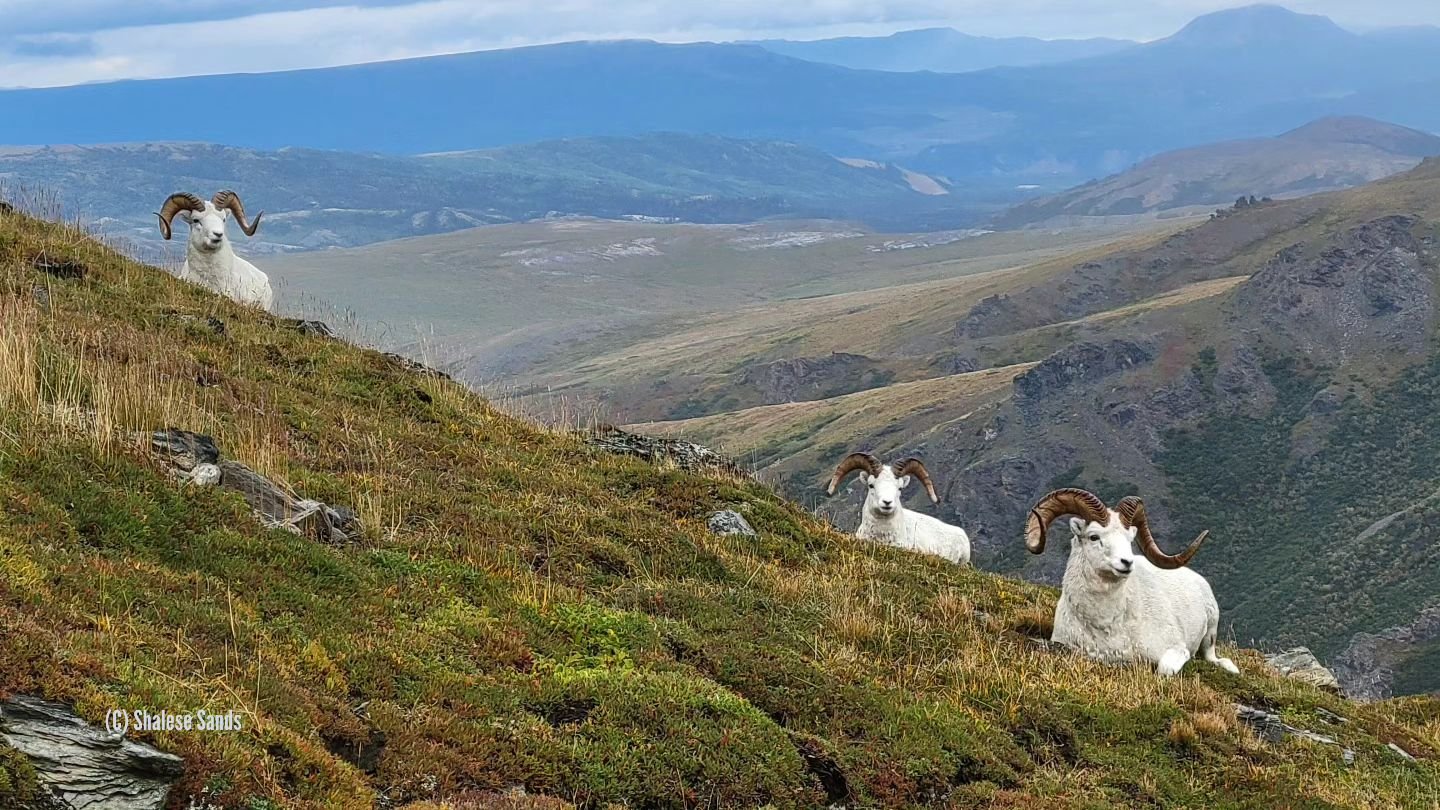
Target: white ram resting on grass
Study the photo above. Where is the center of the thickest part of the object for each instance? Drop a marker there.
(884, 520)
(1115, 607)
(209, 259)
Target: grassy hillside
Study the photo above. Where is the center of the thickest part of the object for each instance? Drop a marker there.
(521, 610)
(1268, 375)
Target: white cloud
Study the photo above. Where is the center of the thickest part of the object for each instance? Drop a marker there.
(285, 37)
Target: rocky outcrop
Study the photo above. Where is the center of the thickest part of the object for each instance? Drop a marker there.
(85, 767)
(415, 366)
(685, 455)
(197, 460)
(1368, 667)
(1078, 364)
(729, 522)
(1302, 665)
(803, 379)
(991, 316)
(1366, 288)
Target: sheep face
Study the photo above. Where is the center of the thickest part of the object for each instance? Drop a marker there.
(207, 228)
(1105, 549)
(882, 497)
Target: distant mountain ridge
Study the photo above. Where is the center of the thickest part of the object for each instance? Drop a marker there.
(1325, 155)
(943, 50)
(1233, 74)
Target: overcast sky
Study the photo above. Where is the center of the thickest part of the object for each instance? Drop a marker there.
(55, 42)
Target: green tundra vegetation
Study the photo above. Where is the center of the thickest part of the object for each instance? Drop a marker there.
(524, 610)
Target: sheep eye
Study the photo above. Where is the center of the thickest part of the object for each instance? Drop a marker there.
(1095, 537)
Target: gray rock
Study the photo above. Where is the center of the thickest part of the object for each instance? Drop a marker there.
(1269, 727)
(1302, 665)
(416, 366)
(685, 455)
(205, 475)
(84, 766)
(1273, 729)
(313, 328)
(41, 294)
(209, 322)
(1348, 756)
(1401, 752)
(184, 449)
(730, 522)
(278, 509)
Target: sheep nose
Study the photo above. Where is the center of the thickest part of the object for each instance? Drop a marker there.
(1126, 563)
(886, 503)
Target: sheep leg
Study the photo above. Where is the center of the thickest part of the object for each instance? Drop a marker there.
(1172, 661)
(1207, 648)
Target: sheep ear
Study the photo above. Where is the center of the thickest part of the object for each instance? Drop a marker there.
(903, 482)
(1077, 526)
(1132, 531)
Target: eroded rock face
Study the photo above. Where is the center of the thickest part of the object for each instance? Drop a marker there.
(1367, 668)
(1367, 287)
(86, 767)
(1080, 363)
(802, 379)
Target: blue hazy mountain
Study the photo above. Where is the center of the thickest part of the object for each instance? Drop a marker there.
(943, 50)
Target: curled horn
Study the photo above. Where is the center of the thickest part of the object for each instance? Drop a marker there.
(1132, 514)
(231, 200)
(851, 463)
(1061, 502)
(174, 204)
(916, 467)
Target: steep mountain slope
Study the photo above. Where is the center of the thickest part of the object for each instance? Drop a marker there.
(1289, 410)
(517, 609)
(316, 199)
(1326, 155)
(1234, 74)
(943, 50)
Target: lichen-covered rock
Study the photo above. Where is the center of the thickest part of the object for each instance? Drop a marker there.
(205, 475)
(730, 522)
(1302, 665)
(83, 766)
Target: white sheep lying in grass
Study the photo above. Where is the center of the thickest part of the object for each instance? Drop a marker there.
(209, 259)
(1115, 607)
(884, 520)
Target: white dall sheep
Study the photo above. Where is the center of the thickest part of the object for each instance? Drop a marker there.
(209, 259)
(884, 520)
(1115, 607)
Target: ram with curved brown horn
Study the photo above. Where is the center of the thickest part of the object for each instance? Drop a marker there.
(174, 204)
(230, 201)
(210, 259)
(1115, 607)
(883, 519)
